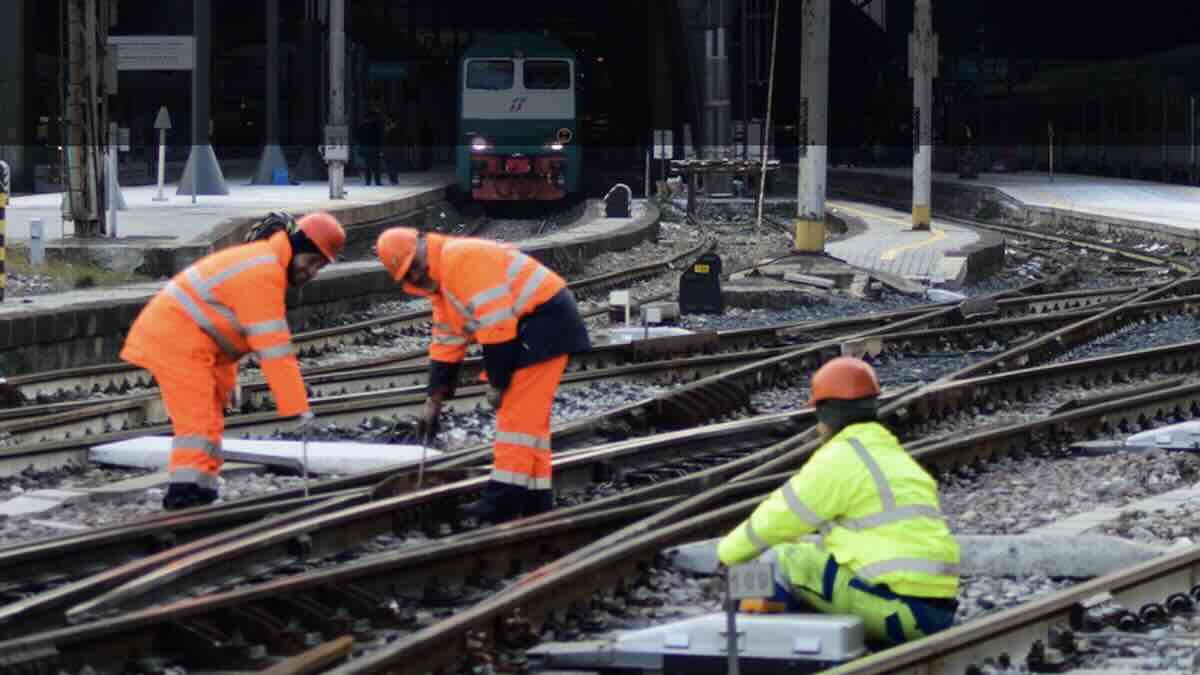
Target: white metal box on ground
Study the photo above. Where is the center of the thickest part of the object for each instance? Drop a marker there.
(768, 643)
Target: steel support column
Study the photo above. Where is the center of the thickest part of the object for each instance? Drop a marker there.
(337, 90)
(202, 173)
(922, 68)
(814, 114)
(272, 155)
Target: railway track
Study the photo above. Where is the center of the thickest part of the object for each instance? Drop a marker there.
(384, 591)
(938, 399)
(573, 553)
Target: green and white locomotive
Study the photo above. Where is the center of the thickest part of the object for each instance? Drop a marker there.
(518, 116)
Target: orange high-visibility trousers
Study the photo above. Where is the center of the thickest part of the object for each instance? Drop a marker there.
(522, 446)
(195, 401)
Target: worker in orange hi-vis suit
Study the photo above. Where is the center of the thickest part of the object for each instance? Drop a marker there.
(191, 335)
(525, 318)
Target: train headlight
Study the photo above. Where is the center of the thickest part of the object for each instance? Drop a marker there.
(479, 144)
(557, 147)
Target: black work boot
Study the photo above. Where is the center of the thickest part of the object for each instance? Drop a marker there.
(501, 503)
(539, 501)
(186, 495)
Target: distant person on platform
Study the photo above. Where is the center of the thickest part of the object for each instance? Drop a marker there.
(191, 335)
(858, 530)
(525, 319)
(370, 141)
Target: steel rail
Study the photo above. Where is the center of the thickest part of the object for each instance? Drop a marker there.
(1138, 360)
(788, 454)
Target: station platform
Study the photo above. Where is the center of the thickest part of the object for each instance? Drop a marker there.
(882, 240)
(161, 238)
(1153, 210)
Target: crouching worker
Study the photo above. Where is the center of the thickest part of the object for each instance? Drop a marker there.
(191, 335)
(526, 320)
(858, 529)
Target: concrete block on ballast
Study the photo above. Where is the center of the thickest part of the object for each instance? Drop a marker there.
(40, 501)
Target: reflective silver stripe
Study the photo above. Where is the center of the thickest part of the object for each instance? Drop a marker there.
(494, 317)
(484, 297)
(526, 440)
(935, 567)
(530, 287)
(885, 491)
(206, 295)
(237, 269)
(198, 478)
(196, 443)
(799, 509)
(889, 517)
(201, 319)
(263, 327)
(449, 340)
(511, 478)
(275, 352)
(756, 540)
(468, 317)
(444, 327)
(517, 264)
(541, 484)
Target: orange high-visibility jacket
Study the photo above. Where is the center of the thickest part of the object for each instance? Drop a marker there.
(485, 287)
(227, 305)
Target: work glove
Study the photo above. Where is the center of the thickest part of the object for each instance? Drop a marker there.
(306, 423)
(494, 396)
(428, 425)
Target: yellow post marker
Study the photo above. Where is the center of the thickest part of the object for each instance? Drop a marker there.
(810, 236)
(5, 182)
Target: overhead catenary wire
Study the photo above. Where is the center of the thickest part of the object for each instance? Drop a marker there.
(766, 139)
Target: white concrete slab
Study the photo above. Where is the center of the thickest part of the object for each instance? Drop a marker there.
(1182, 436)
(890, 245)
(152, 452)
(40, 501)
(628, 334)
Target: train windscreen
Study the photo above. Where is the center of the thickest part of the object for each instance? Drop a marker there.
(490, 74)
(546, 74)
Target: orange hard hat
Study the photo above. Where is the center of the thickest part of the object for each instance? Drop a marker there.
(325, 232)
(845, 379)
(396, 249)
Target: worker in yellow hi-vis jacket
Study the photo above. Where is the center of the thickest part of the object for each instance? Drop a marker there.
(858, 529)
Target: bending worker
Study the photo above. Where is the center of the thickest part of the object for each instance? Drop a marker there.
(858, 529)
(192, 333)
(526, 320)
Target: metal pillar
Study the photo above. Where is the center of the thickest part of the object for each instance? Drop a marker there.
(718, 125)
(337, 135)
(814, 112)
(310, 166)
(922, 67)
(272, 156)
(16, 57)
(202, 175)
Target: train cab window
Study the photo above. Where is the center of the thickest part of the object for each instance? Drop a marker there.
(544, 74)
(493, 74)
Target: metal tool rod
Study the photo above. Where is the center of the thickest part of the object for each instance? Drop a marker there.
(304, 453)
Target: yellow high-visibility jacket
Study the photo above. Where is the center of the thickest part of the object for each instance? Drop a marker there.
(874, 508)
